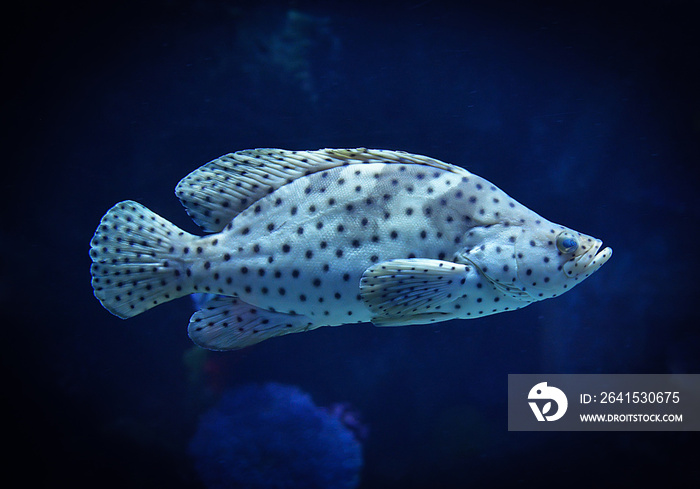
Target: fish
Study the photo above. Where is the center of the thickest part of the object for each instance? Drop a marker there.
(296, 240)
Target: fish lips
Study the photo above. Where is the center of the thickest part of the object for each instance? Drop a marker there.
(588, 262)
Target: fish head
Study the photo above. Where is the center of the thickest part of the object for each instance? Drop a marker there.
(532, 263)
(552, 259)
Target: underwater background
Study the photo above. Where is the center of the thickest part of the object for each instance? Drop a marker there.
(587, 113)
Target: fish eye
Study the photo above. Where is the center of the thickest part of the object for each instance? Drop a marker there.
(567, 242)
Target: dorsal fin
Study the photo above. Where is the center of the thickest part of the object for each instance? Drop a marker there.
(216, 192)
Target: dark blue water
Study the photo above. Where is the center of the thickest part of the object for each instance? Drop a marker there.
(587, 113)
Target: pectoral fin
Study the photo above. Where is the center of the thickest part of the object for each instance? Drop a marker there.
(412, 291)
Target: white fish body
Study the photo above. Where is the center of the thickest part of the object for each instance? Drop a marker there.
(303, 239)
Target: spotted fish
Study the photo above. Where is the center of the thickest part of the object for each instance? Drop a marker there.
(304, 239)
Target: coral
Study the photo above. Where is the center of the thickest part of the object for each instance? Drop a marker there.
(274, 436)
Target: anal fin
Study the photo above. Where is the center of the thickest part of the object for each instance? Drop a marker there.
(228, 323)
(412, 291)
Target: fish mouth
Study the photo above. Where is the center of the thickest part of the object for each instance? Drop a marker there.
(600, 258)
(589, 262)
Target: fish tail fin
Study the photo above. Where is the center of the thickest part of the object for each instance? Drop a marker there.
(134, 261)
